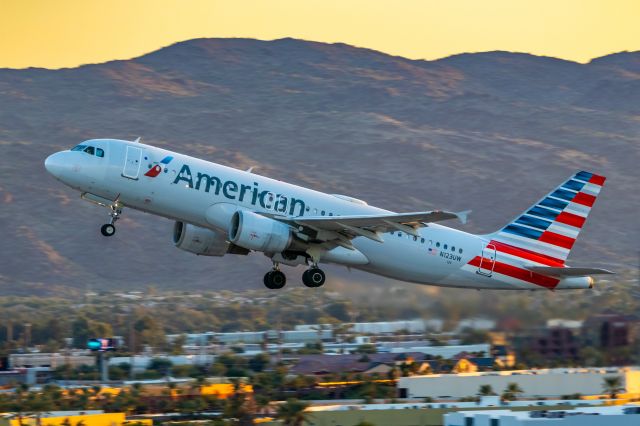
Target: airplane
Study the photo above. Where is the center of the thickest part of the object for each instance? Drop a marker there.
(220, 210)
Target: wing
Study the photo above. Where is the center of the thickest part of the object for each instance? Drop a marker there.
(341, 229)
(567, 271)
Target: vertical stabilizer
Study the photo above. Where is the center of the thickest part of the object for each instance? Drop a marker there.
(549, 228)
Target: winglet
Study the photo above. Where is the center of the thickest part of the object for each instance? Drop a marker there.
(463, 216)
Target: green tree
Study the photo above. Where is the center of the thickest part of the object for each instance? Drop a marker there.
(485, 390)
(612, 385)
(367, 348)
(512, 392)
(292, 412)
(161, 365)
(259, 362)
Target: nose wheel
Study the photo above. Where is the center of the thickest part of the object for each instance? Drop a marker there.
(313, 277)
(275, 279)
(108, 229)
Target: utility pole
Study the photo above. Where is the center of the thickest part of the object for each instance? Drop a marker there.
(27, 335)
(104, 367)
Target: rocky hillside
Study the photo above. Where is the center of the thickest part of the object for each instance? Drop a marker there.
(490, 132)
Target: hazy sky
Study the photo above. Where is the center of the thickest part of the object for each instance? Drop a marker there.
(66, 33)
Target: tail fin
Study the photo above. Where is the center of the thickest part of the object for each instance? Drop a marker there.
(550, 227)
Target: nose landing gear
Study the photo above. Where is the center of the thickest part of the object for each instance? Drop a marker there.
(108, 229)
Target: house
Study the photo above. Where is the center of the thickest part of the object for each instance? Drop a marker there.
(467, 364)
(380, 363)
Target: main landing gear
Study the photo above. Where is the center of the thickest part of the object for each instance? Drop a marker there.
(313, 277)
(275, 279)
(108, 229)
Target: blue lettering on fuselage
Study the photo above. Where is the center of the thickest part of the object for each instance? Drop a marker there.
(230, 190)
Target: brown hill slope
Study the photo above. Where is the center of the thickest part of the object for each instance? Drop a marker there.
(490, 132)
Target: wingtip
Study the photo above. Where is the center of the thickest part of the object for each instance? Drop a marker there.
(463, 216)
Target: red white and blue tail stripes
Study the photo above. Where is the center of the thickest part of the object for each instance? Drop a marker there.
(543, 235)
(550, 227)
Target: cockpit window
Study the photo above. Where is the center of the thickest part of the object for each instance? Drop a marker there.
(78, 148)
(89, 150)
(99, 152)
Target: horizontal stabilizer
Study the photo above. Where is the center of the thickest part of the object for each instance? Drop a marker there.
(566, 272)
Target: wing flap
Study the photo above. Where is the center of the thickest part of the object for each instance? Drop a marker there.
(333, 228)
(381, 222)
(567, 272)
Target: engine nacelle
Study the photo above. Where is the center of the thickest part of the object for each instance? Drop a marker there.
(201, 241)
(256, 232)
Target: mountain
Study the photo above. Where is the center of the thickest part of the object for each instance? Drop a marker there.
(492, 132)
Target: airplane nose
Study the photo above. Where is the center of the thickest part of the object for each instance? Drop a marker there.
(55, 164)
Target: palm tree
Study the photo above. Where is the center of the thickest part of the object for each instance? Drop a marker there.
(292, 412)
(485, 390)
(612, 386)
(512, 391)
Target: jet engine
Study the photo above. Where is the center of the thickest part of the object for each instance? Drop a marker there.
(201, 241)
(260, 233)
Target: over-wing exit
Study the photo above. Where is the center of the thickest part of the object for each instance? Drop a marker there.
(220, 210)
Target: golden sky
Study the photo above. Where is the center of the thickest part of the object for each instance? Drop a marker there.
(67, 33)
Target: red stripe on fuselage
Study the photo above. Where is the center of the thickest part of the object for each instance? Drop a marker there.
(571, 219)
(517, 273)
(527, 254)
(597, 180)
(557, 239)
(584, 199)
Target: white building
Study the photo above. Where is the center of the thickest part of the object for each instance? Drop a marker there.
(535, 383)
(482, 324)
(51, 360)
(141, 362)
(619, 415)
(384, 327)
(446, 352)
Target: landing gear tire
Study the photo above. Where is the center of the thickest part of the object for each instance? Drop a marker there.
(313, 277)
(108, 229)
(275, 280)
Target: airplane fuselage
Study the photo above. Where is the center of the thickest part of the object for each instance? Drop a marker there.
(206, 194)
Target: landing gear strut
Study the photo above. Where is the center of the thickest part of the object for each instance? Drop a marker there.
(313, 277)
(108, 229)
(275, 279)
